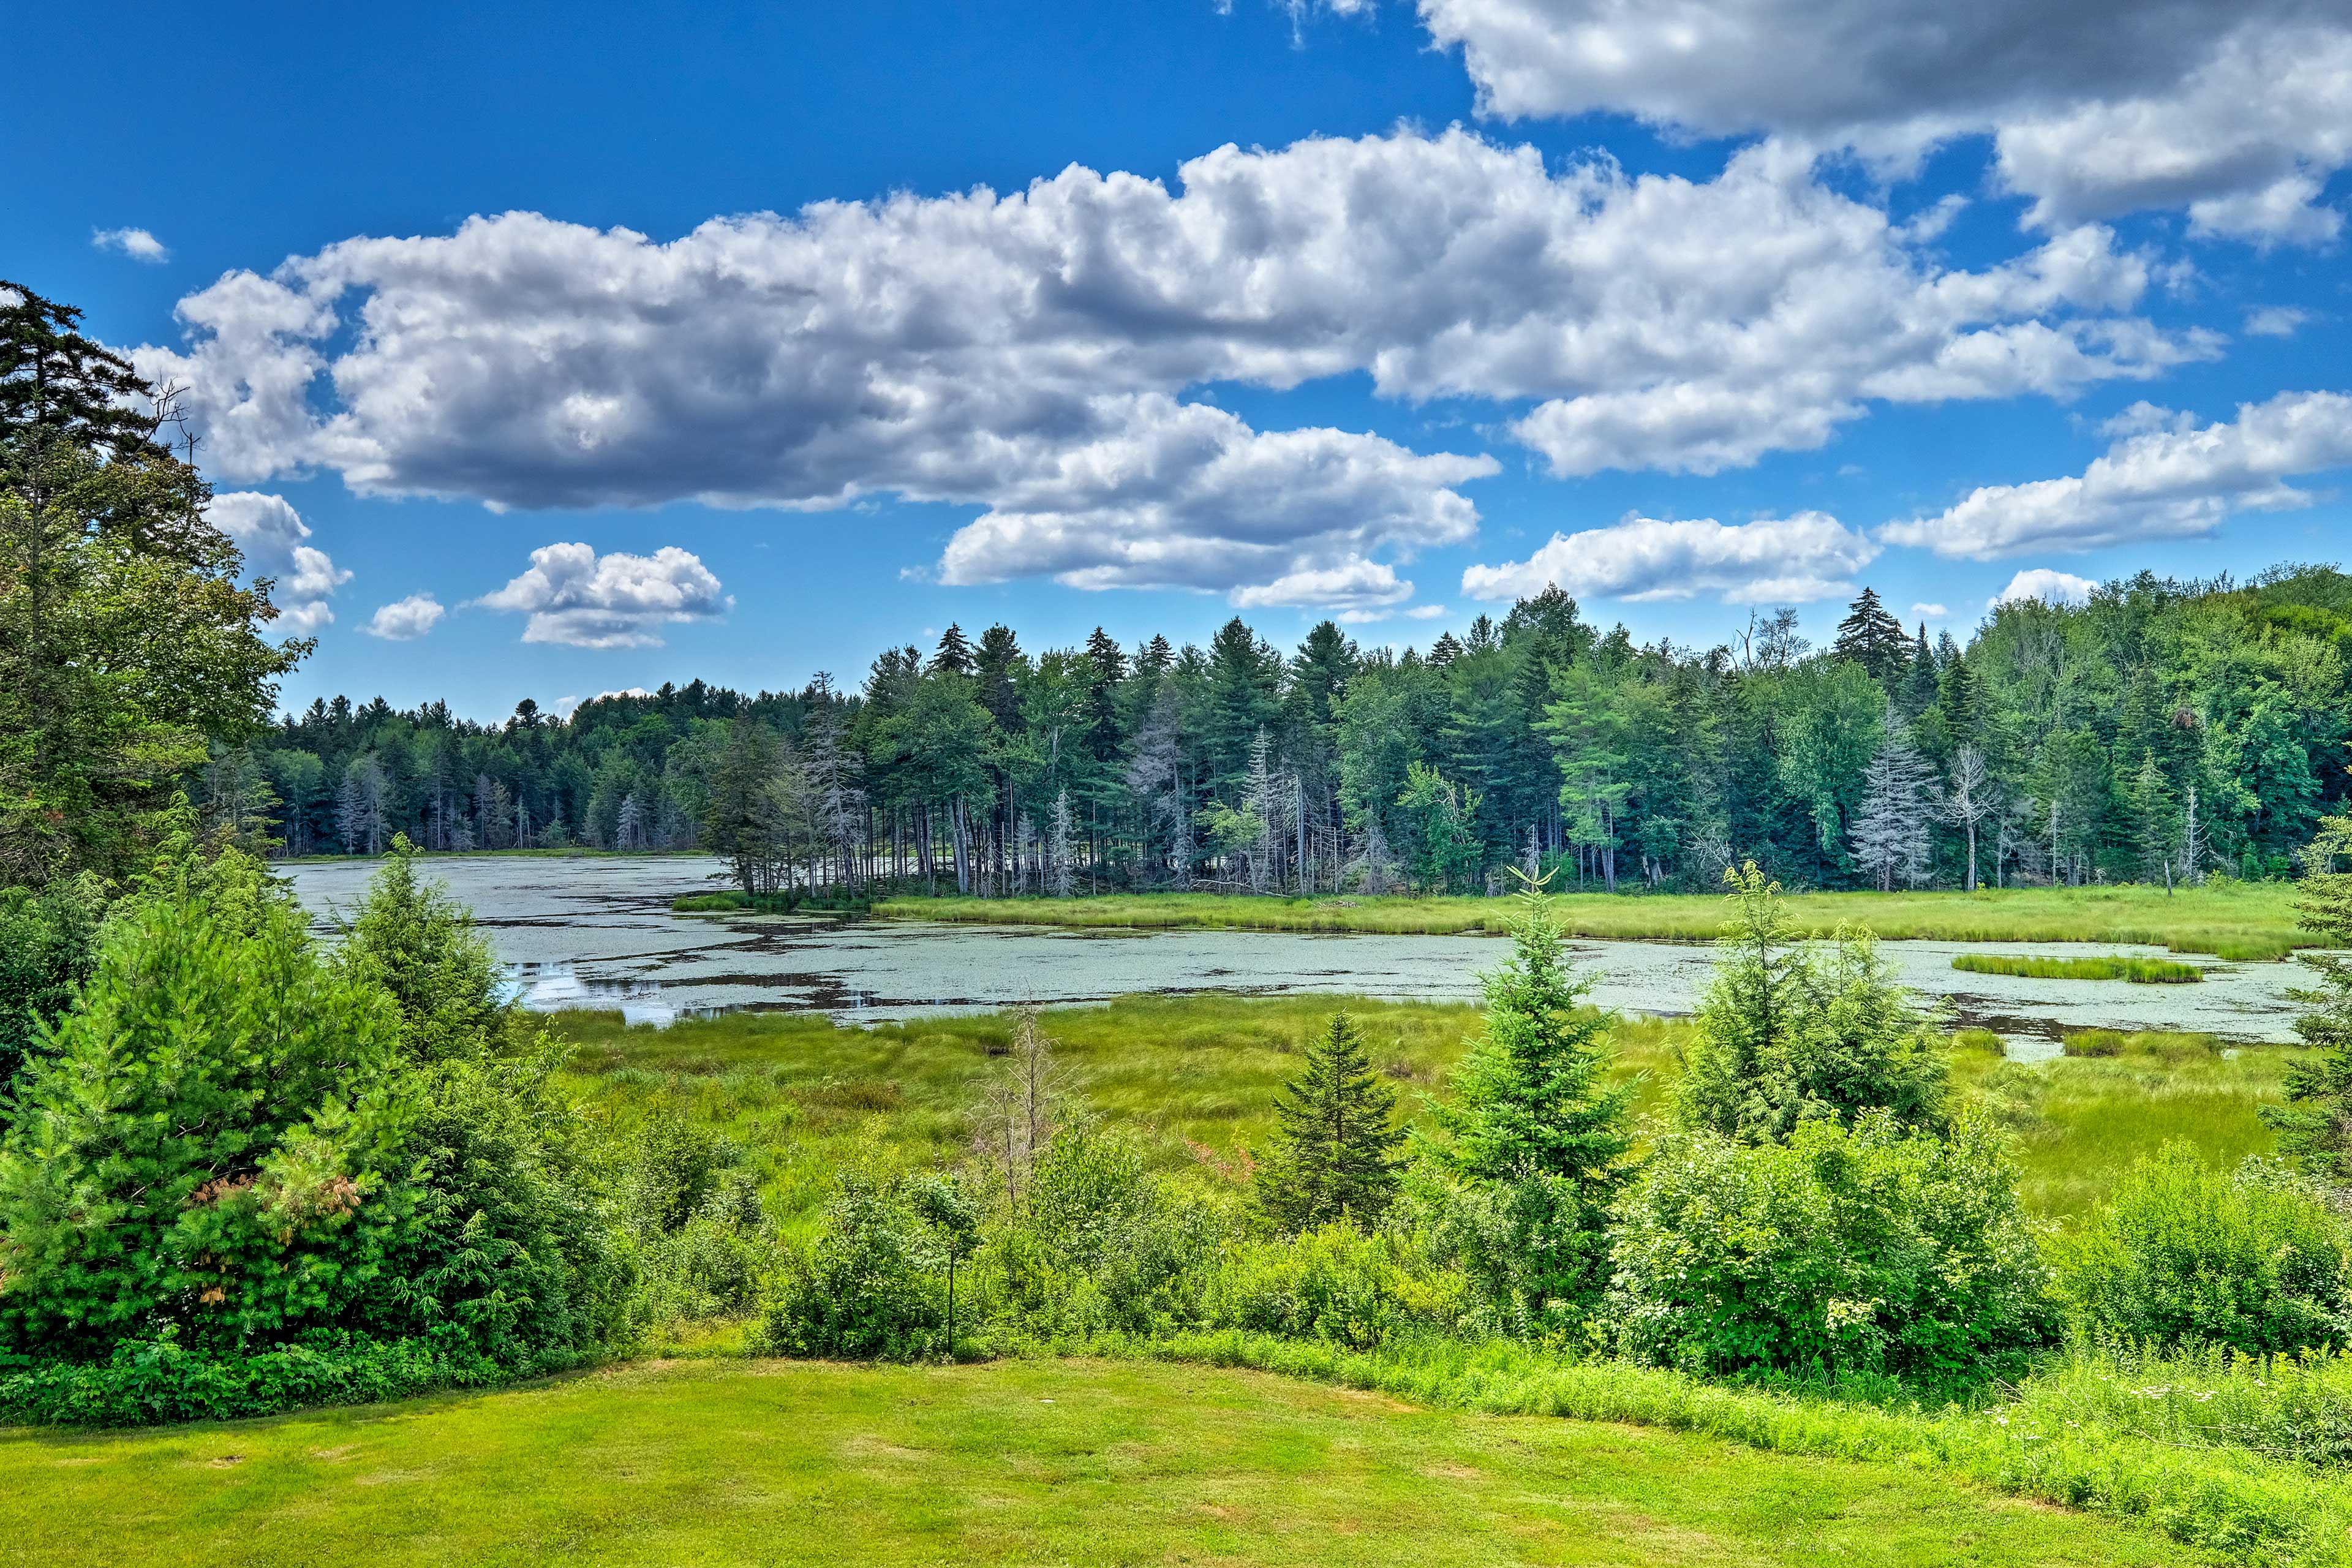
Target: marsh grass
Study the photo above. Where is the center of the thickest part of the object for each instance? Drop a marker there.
(2240, 921)
(1193, 1079)
(2138, 970)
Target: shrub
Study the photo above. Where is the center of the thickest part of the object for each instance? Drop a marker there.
(2253, 1259)
(48, 942)
(868, 1288)
(156, 1382)
(1867, 1249)
(210, 1145)
(1100, 1244)
(1788, 1032)
(1334, 1284)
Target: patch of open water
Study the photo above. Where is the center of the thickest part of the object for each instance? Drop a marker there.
(597, 931)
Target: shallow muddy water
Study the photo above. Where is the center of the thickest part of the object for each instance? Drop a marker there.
(597, 931)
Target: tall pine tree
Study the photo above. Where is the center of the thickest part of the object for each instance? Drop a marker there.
(1335, 1155)
(1873, 639)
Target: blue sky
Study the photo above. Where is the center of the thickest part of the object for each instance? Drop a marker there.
(1485, 294)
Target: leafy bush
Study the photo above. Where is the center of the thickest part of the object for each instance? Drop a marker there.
(1100, 1244)
(2253, 1259)
(233, 1145)
(1334, 1284)
(1868, 1249)
(48, 944)
(156, 1382)
(210, 1145)
(870, 1287)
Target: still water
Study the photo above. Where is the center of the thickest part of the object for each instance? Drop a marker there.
(597, 931)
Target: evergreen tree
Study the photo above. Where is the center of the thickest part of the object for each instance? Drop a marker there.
(2315, 1125)
(1334, 1154)
(1535, 1136)
(1872, 638)
(1786, 1034)
(2155, 821)
(953, 655)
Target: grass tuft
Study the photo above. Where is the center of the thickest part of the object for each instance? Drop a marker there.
(2239, 921)
(2138, 970)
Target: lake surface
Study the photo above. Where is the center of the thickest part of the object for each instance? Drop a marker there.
(597, 931)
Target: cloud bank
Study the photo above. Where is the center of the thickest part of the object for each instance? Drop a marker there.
(1785, 560)
(2166, 478)
(2234, 111)
(1030, 353)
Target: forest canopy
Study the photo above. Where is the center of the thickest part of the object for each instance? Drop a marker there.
(2162, 732)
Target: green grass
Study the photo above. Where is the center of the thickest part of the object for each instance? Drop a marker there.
(2242, 920)
(1024, 1462)
(2138, 970)
(1194, 1080)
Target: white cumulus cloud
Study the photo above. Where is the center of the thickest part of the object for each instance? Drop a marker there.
(2275, 321)
(2235, 110)
(2050, 587)
(581, 599)
(1809, 556)
(1930, 612)
(135, 243)
(1029, 354)
(2166, 478)
(270, 534)
(405, 620)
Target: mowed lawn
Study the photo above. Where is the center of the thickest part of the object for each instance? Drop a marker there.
(2241, 920)
(1022, 1462)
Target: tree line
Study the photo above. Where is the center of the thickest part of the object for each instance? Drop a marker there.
(2163, 732)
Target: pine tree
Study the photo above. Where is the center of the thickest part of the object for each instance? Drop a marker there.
(1872, 638)
(2315, 1125)
(953, 655)
(1335, 1155)
(1535, 1136)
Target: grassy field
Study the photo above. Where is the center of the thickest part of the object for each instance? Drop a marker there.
(1022, 1462)
(1194, 1080)
(2137, 971)
(2243, 921)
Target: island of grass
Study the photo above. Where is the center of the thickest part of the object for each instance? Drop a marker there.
(2239, 921)
(2117, 966)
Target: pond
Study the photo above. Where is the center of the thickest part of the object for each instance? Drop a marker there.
(597, 931)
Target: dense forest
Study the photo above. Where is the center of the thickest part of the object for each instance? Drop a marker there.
(2163, 730)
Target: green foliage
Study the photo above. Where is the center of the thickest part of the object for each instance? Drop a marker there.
(1101, 1244)
(1336, 1284)
(1789, 1033)
(154, 1382)
(234, 1144)
(210, 1144)
(2251, 1260)
(2315, 1126)
(48, 942)
(1533, 1146)
(412, 940)
(1334, 1158)
(1441, 833)
(2138, 970)
(126, 638)
(1869, 1248)
(867, 1289)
